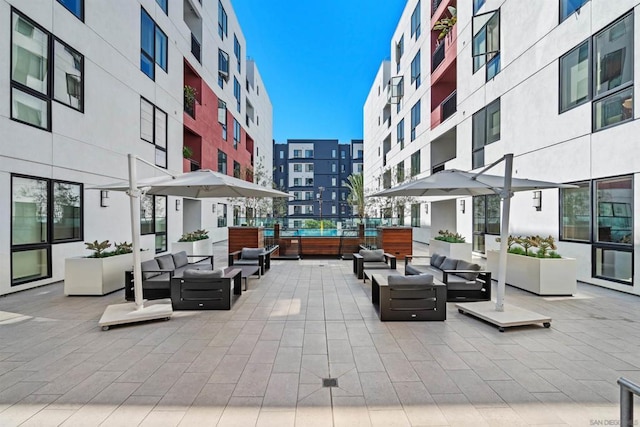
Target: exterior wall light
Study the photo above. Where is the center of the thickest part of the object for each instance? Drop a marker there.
(537, 200)
(426, 208)
(462, 206)
(104, 198)
(178, 203)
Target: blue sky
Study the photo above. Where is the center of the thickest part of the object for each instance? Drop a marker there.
(318, 60)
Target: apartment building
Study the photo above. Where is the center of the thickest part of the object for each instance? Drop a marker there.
(315, 173)
(551, 82)
(85, 84)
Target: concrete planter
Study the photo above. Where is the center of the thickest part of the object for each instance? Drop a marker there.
(98, 276)
(541, 276)
(199, 247)
(451, 250)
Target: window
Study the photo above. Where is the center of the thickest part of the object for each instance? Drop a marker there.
(334, 167)
(308, 154)
(163, 5)
(485, 130)
(415, 119)
(236, 92)
(297, 182)
(400, 133)
(153, 129)
(281, 182)
(567, 7)
(297, 154)
(308, 167)
(222, 215)
(359, 167)
(236, 170)
(281, 168)
(477, 4)
(343, 154)
(415, 163)
(297, 167)
(486, 43)
(343, 168)
(574, 77)
(281, 154)
(386, 179)
(575, 213)
(222, 162)
(153, 45)
(43, 212)
(333, 154)
(486, 219)
(237, 133)
(237, 51)
(415, 214)
(222, 117)
(76, 7)
(297, 195)
(308, 209)
(415, 70)
(308, 195)
(399, 52)
(333, 195)
(31, 92)
(222, 21)
(334, 181)
(415, 21)
(333, 209)
(400, 171)
(308, 181)
(223, 67)
(148, 215)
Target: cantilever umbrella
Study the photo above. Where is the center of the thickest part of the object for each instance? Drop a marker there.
(198, 184)
(455, 182)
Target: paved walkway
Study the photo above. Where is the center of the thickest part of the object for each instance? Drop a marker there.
(262, 363)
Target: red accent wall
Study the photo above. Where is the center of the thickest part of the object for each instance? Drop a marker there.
(203, 133)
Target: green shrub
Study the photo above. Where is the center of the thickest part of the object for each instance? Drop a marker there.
(449, 237)
(100, 249)
(521, 245)
(194, 236)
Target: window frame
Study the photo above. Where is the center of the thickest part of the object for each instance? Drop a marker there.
(164, 8)
(237, 51)
(415, 21)
(237, 93)
(489, 56)
(480, 141)
(415, 164)
(153, 59)
(80, 16)
(562, 6)
(155, 109)
(223, 20)
(222, 155)
(589, 77)
(415, 118)
(416, 70)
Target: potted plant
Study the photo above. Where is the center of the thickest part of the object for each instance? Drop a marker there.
(189, 99)
(196, 242)
(534, 265)
(451, 245)
(102, 271)
(445, 24)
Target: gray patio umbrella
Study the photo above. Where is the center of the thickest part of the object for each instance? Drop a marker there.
(455, 182)
(198, 184)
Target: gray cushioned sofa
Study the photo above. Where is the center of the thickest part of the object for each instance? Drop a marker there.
(158, 272)
(251, 256)
(205, 289)
(465, 281)
(372, 259)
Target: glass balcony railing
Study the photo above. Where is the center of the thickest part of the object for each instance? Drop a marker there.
(437, 57)
(448, 106)
(195, 47)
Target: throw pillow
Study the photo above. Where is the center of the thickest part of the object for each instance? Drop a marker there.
(375, 255)
(150, 265)
(465, 265)
(180, 259)
(251, 253)
(192, 273)
(166, 262)
(420, 279)
(436, 260)
(449, 264)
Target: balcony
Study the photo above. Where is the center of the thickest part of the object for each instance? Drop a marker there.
(434, 6)
(437, 57)
(449, 106)
(195, 47)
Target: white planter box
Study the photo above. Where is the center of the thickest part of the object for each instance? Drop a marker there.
(199, 247)
(541, 276)
(451, 250)
(98, 276)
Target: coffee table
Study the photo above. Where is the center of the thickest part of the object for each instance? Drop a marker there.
(247, 270)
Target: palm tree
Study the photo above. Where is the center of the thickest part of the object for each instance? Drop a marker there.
(355, 184)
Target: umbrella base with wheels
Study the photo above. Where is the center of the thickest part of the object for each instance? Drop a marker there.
(121, 314)
(511, 316)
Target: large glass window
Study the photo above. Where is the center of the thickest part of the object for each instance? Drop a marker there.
(399, 52)
(415, 70)
(153, 129)
(400, 133)
(237, 93)
(485, 130)
(153, 219)
(613, 264)
(415, 215)
(153, 45)
(613, 56)
(222, 215)
(222, 21)
(415, 163)
(477, 4)
(74, 6)
(222, 162)
(237, 50)
(575, 213)
(237, 133)
(567, 7)
(614, 212)
(486, 42)
(67, 76)
(415, 119)
(613, 109)
(163, 5)
(574, 77)
(42, 212)
(415, 21)
(486, 219)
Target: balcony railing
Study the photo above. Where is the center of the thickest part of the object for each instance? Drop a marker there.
(437, 57)
(195, 47)
(449, 106)
(434, 6)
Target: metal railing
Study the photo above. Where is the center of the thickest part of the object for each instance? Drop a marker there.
(627, 390)
(195, 47)
(437, 57)
(434, 6)
(448, 106)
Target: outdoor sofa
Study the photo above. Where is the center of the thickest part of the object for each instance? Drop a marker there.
(252, 256)
(205, 289)
(372, 259)
(465, 281)
(405, 298)
(158, 272)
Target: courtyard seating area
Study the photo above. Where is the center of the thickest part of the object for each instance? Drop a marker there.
(304, 346)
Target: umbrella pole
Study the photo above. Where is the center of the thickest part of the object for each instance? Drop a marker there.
(504, 231)
(134, 203)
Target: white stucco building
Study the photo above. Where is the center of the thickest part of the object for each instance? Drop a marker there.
(551, 82)
(85, 83)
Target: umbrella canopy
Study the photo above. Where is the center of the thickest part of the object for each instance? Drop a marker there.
(198, 184)
(454, 182)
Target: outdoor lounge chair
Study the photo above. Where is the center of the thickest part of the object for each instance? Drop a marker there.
(205, 289)
(408, 297)
(251, 256)
(375, 259)
(465, 281)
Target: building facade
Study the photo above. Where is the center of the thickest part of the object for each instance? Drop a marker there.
(315, 173)
(551, 82)
(85, 84)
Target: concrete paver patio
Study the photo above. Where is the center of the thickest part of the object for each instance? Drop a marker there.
(262, 363)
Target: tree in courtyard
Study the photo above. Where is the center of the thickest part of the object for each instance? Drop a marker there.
(355, 184)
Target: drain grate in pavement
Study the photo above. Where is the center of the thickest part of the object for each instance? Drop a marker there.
(329, 382)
